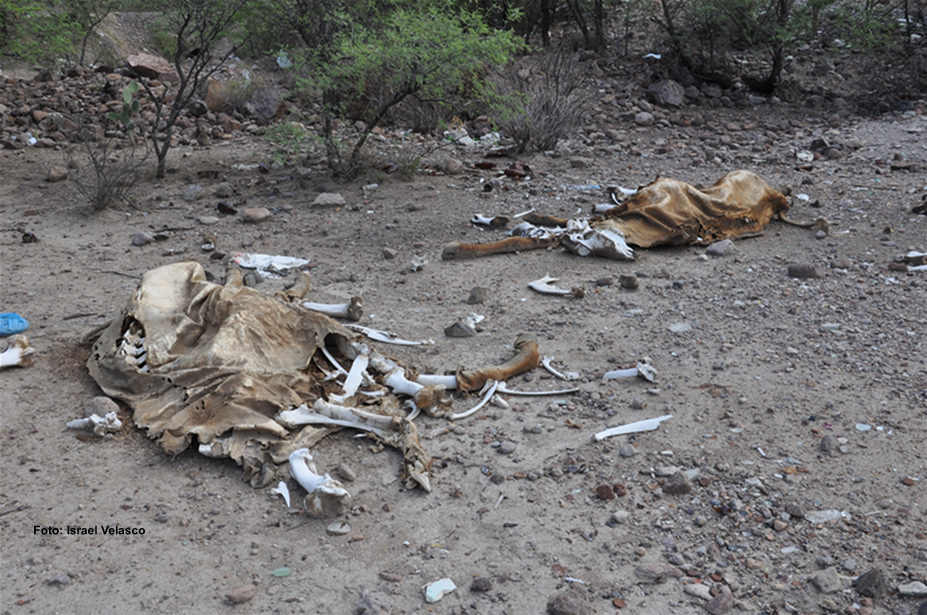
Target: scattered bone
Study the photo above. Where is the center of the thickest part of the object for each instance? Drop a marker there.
(282, 490)
(387, 337)
(546, 362)
(507, 391)
(418, 263)
(543, 286)
(352, 311)
(448, 381)
(324, 495)
(18, 354)
(100, 425)
(644, 370)
(526, 360)
(636, 427)
(490, 221)
(490, 389)
(354, 379)
(458, 251)
(430, 398)
(583, 239)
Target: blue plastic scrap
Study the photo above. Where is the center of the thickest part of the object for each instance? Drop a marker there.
(11, 324)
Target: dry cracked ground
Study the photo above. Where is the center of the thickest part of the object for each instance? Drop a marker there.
(791, 478)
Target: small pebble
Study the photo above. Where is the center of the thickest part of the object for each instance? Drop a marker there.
(481, 584)
(256, 214)
(628, 282)
(242, 594)
(802, 271)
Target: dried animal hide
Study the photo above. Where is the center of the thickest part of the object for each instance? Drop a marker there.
(666, 212)
(193, 358)
(669, 212)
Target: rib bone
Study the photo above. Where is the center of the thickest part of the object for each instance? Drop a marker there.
(324, 495)
(490, 389)
(387, 337)
(18, 354)
(352, 311)
(546, 362)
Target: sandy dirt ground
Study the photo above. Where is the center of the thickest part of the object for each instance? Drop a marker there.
(789, 397)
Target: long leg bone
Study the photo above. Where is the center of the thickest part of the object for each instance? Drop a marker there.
(19, 353)
(458, 251)
(352, 311)
(527, 359)
(543, 286)
(546, 362)
(324, 495)
(643, 370)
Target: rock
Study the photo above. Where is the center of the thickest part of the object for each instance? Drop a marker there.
(571, 602)
(56, 174)
(218, 94)
(677, 484)
(644, 118)
(207, 220)
(914, 589)
(870, 584)
(142, 239)
(605, 492)
(828, 444)
(699, 590)
(460, 329)
(436, 590)
(478, 294)
(481, 584)
(802, 271)
(627, 450)
(150, 66)
(329, 199)
(667, 93)
(345, 473)
(389, 253)
(507, 447)
(374, 603)
(256, 214)
(452, 166)
(722, 603)
(720, 248)
(620, 516)
(193, 192)
(628, 281)
(657, 572)
(242, 594)
(224, 190)
(827, 581)
(60, 580)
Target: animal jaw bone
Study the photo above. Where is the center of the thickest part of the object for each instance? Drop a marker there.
(324, 495)
(644, 370)
(526, 360)
(18, 354)
(543, 286)
(352, 311)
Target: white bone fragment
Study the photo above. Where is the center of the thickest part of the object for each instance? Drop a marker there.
(507, 391)
(354, 379)
(352, 311)
(500, 402)
(636, 427)
(526, 229)
(100, 425)
(482, 220)
(217, 449)
(582, 239)
(282, 490)
(324, 495)
(543, 286)
(418, 262)
(396, 380)
(524, 213)
(387, 337)
(643, 370)
(18, 354)
(493, 385)
(917, 267)
(601, 208)
(546, 362)
(448, 381)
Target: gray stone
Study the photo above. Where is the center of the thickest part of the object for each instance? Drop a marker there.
(192, 192)
(915, 589)
(628, 281)
(142, 239)
(571, 602)
(150, 66)
(644, 119)
(507, 447)
(207, 220)
(460, 329)
(345, 473)
(60, 579)
(478, 294)
(224, 190)
(100, 405)
(871, 583)
(722, 603)
(677, 484)
(802, 271)
(256, 214)
(826, 581)
(720, 248)
(242, 594)
(828, 444)
(374, 603)
(329, 199)
(481, 584)
(667, 93)
(452, 166)
(627, 450)
(657, 572)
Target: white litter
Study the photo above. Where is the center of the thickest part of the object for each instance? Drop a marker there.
(636, 427)
(268, 265)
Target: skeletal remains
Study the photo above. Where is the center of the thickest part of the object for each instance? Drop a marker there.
(18, 353)
(666, 212)
(262, 378)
